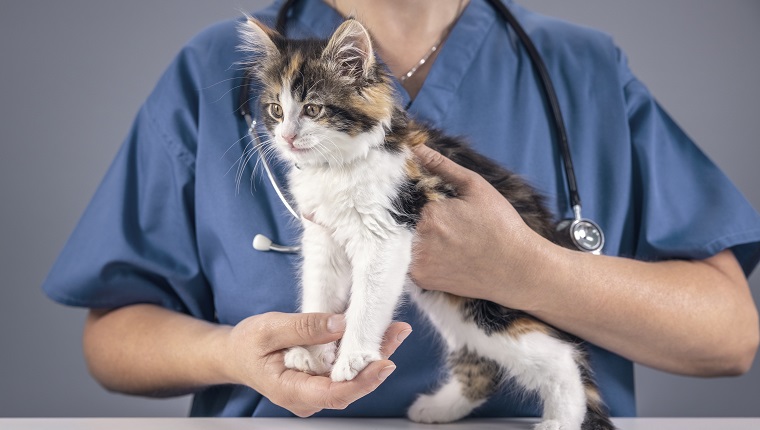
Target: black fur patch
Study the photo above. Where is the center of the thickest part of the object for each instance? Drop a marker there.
(489, 316)
(299, 87)
(350, 121)
(595, 420)
(395, 139)
(408, 204)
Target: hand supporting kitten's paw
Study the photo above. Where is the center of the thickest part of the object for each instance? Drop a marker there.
(348, 365)
(314, 359)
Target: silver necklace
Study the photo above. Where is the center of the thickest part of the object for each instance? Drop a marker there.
(423, 60)
(434, 48)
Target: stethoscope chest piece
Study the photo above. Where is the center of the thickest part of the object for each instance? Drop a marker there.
(581, 234)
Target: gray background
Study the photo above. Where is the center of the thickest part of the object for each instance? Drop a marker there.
(74, 73)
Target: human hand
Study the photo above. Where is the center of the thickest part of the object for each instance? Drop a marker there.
(476, 243)
(255, 350)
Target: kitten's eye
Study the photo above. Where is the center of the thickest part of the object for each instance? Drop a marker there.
(275, 110)
(312, 110)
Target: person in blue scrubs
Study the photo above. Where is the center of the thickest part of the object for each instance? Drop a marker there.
(180, 302)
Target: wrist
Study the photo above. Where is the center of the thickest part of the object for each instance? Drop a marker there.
(526, 281)
(219, 356)
(550, 261)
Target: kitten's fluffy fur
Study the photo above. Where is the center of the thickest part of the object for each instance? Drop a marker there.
(332, 113)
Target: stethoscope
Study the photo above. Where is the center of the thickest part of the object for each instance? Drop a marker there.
(577, 232)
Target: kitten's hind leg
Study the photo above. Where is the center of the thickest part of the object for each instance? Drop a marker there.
(325, 288)
(472, 380)
(548, 366)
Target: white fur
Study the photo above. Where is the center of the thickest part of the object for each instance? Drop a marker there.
(353, 244)
(355, 255)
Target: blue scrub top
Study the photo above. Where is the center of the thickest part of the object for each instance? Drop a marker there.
(168, 225)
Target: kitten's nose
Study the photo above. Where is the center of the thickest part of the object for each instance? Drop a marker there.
(289, 137)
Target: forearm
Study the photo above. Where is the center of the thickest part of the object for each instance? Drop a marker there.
(688, 317)
(149, 350)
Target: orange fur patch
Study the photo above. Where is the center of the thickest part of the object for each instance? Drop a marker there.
(524, 326)
(293, 65)
(377, 101)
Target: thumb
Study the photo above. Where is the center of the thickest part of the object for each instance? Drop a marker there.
(438, 164)
(281, 330)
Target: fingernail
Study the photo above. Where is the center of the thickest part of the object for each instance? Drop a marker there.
(403, 335)
(385, 372)
(336, 323)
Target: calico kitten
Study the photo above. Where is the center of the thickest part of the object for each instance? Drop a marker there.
(331, 112)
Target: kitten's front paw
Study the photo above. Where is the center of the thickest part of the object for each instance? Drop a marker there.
(348, 365)
(316, 359)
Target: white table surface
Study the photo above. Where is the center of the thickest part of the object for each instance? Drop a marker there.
(351, 424)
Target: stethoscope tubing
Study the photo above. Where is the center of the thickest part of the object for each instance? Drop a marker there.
(272, 179)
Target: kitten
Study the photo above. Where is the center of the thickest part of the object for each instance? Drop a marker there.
(332, 114)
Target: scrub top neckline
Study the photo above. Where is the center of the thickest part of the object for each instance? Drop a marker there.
(447, 71)
(454, 60)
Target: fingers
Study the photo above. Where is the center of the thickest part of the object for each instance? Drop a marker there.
(438, 164)
(314, 393)
(394, 336)
(342, 394)
(305, 394)
(278, 331)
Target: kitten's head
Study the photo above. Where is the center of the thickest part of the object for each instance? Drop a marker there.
(322, 101)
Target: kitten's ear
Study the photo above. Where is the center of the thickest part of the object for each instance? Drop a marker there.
(258, 38)
(350, 49)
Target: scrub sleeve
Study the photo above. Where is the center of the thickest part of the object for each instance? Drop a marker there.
(687, 208)
(136, 241)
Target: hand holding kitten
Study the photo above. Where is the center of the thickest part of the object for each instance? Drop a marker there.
(256, 347)
(475, 243)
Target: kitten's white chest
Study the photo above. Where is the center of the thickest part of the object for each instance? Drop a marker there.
(353, 198)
